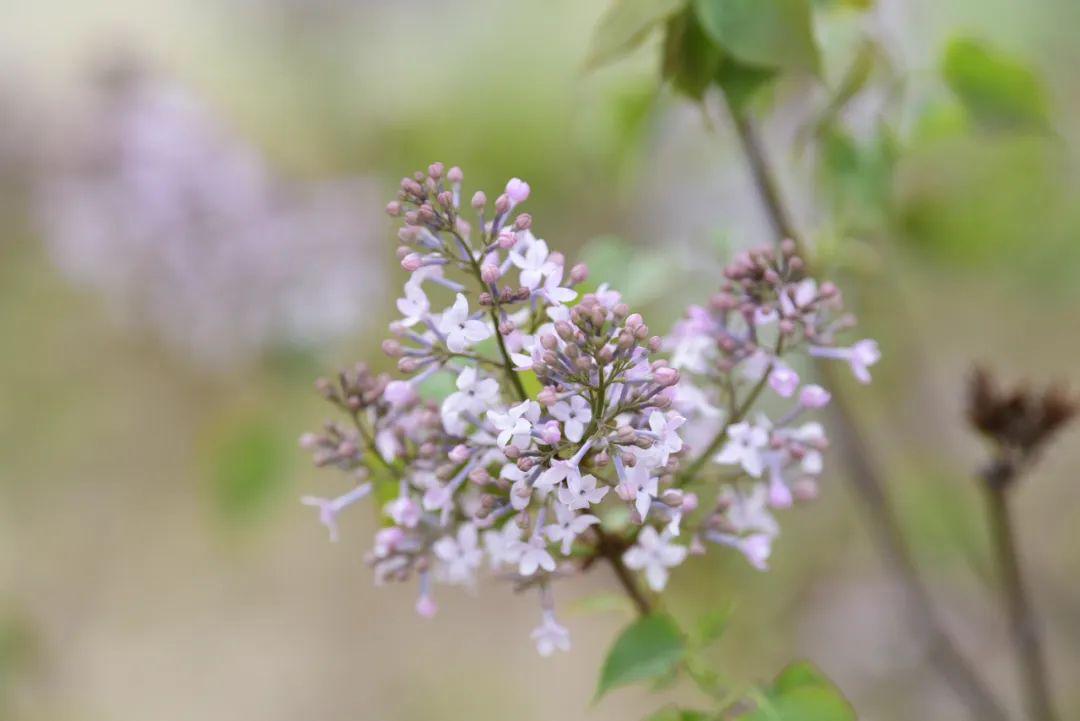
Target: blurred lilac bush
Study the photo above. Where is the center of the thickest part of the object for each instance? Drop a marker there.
(187, 231)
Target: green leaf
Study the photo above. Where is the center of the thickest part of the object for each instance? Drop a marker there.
(774, 34)
(248, 469)
(691, 59)
(740, 82)
(672, 713)
(997, 90)
(650, 648)
(625, 26)
(712, 625)
(802, 693)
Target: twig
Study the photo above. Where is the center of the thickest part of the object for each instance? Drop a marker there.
(1022, 621)
(611, 551)
(865, 476)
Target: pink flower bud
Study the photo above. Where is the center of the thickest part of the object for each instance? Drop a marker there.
(412, 262)
(690, 503)
(550, 434)
(783, 380)
(547, 396)
(426, 606)
(814, 396)
(391, 348)
(517, 190)
(459, 453)
(399, 393)
(507, 239)
(479, 200)
(579, 274)
(666, 376)
(435, 170)
(309, 441)
(393, 208)
(502, 204)
(455, 175)
(490, 272)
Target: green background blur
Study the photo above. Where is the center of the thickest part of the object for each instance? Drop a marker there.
(154, 561)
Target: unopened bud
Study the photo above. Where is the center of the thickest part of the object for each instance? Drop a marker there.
(490, 272)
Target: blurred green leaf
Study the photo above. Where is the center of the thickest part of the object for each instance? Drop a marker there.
(774, 34)
(741, 82)
(625, 26)
(711, 626)
(678, 714)
(691, 59)
(998, 90)
(802, 693)
(650, 648)
(640, 275)
(249, 468)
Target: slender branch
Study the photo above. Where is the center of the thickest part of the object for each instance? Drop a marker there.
(1022, 621)
(611, 551)
(866, 478)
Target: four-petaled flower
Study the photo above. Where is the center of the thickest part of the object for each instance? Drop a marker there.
(330, 507)
(581, 492)
(744, 445)
(549, 636)
(504, 544)
(569, 526)
(414, 306)
(534, 263)
(460, 330)
(461, 556)
(534, 555)
(667, 439)
(575, 416)
(516, 424)
(654, 553)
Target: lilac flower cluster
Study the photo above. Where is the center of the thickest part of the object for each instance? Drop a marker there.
(187, 231)
(562, 443)
(730, 351)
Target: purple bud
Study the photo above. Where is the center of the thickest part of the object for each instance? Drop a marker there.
(507, 239)
(435, 170)
(393, 208)
(309, 441)
(459, 453)
(479, 200)
(490, 272)
(666, 376)
(550, 434)
(579, 274)
(412, 262)
(523, 222)
(814, 396)
(517, 190)
(502, 204)
(399, 393)
(455, 175)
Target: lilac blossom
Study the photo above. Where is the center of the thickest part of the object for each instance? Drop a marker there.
(497, 476)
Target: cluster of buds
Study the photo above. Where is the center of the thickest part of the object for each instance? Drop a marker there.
(562, 443)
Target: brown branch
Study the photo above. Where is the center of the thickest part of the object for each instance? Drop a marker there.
(611, 550)
(1022, 621)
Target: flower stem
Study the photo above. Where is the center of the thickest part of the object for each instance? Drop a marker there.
(611, 551)
(866, 478)
(1022, 621)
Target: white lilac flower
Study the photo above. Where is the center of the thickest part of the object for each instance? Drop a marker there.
(568, 527)
(744, 446)
(574, 415)
(460, 330)
(460, 555)
(534, 556)
(640, 486)
(751, 527)
(516, 424)
(665, 426)
(654, 553)
(557, 473)
(474, 394)
(330, 507)
(549, 636)
(503, 545)
(533, 262)
(581, 492)
(553, 290)
(414, 306)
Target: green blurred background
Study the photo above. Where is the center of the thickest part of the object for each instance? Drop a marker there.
(154, 561)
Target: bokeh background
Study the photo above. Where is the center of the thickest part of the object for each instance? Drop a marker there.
(191, 231)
